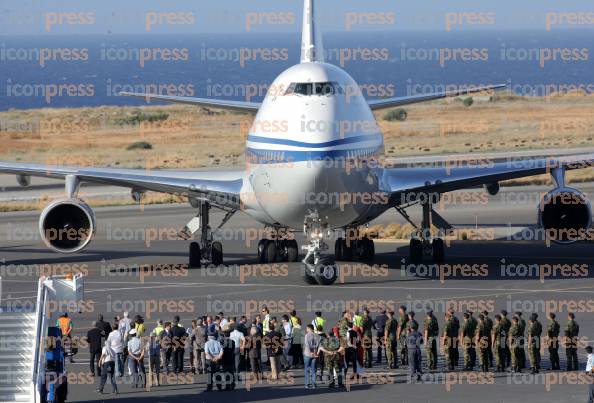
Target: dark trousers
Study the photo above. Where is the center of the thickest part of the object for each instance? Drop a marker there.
(414, 362)
(506, 356)
(108, 371)
(213, 370)
(178, 360)
(94, 360)
(591, 393)
(168, 354)
(380, 343)
(350, 356)
(554, 357)
(572, 360)
(256, 364)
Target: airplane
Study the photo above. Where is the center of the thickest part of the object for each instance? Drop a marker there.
(307, 160)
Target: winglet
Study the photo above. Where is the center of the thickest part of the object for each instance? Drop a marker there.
(312, 49)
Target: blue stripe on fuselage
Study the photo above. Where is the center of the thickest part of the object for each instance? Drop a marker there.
(259, 156)
(338, 142)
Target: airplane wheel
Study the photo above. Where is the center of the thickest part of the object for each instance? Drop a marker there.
(195, 254)
(326, 272)
(339, 248)
(438, 250)
(270, 251)
(216, 253)
(308, 278)
(369, 249)
(292, 250)
(416, 251)
(262, 251)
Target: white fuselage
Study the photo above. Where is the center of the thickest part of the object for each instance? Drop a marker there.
(305, 148)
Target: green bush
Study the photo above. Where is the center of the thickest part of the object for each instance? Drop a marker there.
(140, 145)
(468, 102)
(396, 114)
(139, 117)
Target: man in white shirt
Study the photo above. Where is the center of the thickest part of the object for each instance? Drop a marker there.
(213, 350)
(590, 371)
(238, 339)
(107, 362)
(115, 341)
(125, 325)
(136, 359)
(223, 321)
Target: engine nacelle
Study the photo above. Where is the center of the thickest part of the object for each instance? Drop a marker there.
(565, 214)
(67, 225)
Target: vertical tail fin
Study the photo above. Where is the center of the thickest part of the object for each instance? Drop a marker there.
(312, 49)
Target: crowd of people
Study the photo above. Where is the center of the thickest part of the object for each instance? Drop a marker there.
(228, 348)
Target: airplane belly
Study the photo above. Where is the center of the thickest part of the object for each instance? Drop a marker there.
(288, 192)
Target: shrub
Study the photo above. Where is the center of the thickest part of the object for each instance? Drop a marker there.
(468, 102)
(396, 114)
(139, 117)
(140, 145)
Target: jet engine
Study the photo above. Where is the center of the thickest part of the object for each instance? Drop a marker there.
(67, 225)
(565, 214)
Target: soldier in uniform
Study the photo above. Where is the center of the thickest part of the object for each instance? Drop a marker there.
(467, 336)
(367, 325)
(430, 335)
(456, 330)
(553, 330)
(449, 338)
(344, 324)
(522, 324)
(474, 325)
(534, 333)
(390, 340)
(332, 347)
(482, 343)
(412, 323)
(489, 324)
(497, 342)
(505, 326)
(572, 331)
(514, 342)
(401, 335)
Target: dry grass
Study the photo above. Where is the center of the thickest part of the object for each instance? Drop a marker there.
(197, 137)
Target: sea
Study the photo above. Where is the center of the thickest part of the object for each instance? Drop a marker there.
(82, 71)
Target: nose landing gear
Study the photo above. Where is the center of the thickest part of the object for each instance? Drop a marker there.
(318, 269)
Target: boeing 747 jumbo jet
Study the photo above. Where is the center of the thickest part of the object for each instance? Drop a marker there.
(311, 159)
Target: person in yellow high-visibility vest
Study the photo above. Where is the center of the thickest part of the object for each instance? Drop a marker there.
(265, 320)
(318, 321)
(357, 319)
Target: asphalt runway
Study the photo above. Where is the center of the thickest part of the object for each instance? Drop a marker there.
(494, 279)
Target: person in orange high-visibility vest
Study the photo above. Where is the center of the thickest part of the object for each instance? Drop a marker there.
(65, 324)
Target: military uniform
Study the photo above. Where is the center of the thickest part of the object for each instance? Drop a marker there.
(505, 327)
(431, 328)
(403, 326)
(482, 345)
(498, 341)
(572, 331)
(456, 330)
(367, 325)
(332, 362)
(489, 325)
(515, 335)
(522, 356)
(343, 327)
(450, 334)
(391, 344)
(534, 333)
(468, 332)
(553, 330)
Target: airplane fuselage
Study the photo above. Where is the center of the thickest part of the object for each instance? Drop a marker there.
(306, 150)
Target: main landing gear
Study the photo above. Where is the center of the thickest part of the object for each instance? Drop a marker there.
(359, 249)
(318, 269)
(206, 249)
(277, 250)
(422, 243)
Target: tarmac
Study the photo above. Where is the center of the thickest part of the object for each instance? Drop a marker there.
(497, 273)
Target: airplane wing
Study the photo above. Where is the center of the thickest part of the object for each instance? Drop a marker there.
(378, 104)
(238, 106)
(220, 188)
(453, 175)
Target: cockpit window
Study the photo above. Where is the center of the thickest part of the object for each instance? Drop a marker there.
(319, 89)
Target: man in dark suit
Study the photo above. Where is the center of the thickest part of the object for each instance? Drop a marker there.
(178, 336)
(105, 327)
(94, 340)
